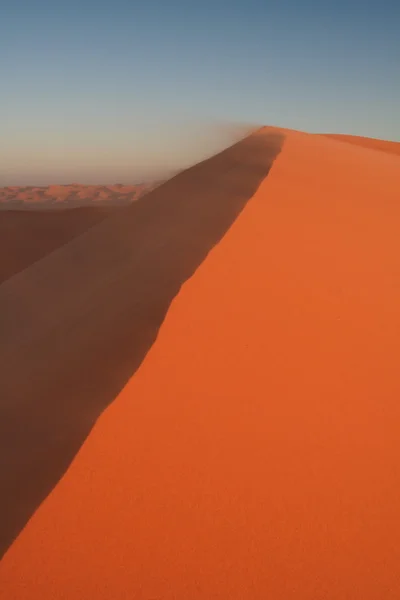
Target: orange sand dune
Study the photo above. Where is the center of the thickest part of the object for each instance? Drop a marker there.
(77, 324)
(254, 454)
(71, 196)
(373, 144)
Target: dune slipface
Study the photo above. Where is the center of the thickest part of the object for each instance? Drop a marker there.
(28, 235)
(76, 325)
(254, 452)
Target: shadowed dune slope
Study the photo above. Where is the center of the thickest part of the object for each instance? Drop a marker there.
(254, 454)
(365, 142)
(76, 325)
(28, 235)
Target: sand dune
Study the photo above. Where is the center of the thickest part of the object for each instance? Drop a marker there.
(365, 142)
(253, 452)
(28, 235)
(32, 224)
(77, 324)
(71, 196)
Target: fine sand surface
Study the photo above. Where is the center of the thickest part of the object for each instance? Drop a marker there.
(365, 142)
(254, 452)
(28, 235)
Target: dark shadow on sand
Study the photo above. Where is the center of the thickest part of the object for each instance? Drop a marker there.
(29, 235)
(76, 325)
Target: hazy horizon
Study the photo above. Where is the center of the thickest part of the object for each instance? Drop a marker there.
(159, 152)
(119, 93)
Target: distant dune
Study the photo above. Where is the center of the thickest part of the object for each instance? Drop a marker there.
(373, 144)
(71, 196)
(199, 396)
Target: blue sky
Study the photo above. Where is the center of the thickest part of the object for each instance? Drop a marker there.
(112, 91)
